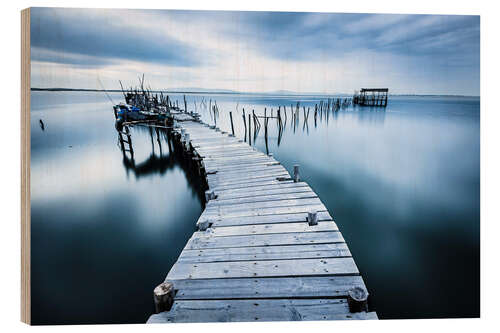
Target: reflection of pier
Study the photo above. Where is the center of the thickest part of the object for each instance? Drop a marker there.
(159, 161)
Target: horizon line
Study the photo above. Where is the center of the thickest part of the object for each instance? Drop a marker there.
(235, 92)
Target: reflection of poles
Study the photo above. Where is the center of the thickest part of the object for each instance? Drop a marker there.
(124, 150)
(158, 139)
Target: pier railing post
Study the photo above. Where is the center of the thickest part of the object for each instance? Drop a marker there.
(164, 297)
(296, 173)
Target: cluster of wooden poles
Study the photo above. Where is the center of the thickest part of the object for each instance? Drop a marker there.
(321, 109)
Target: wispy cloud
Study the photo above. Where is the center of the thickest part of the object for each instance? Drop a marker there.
(258, 51)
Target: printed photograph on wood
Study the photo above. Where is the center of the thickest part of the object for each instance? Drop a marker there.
(232, 166)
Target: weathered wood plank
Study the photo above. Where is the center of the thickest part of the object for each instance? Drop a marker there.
(253, 206)
(262, 212)
(273, 188)
(266, 268)
(264, 182)
(289, 252)
(267, 219)
(321, 237)
(264, 166)
(248, 180)
(248, 173)
(259, 310)
(263, 198)
(262, 229)
(282, 287)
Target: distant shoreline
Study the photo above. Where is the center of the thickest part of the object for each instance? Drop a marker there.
(229, 92)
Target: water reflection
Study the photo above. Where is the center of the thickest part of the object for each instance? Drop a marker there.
(402, 185)
(164, 156)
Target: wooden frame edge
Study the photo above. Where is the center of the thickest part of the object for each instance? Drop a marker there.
(25, 167)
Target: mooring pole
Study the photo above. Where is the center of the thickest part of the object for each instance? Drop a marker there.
(249, 130)
(231, 116)
(296, 174)
(245, 124)
(163, 296)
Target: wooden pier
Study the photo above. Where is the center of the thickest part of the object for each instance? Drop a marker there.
(371, 97)
(265, 249)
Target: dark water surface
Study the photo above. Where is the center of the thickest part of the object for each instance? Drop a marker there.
(402, 184)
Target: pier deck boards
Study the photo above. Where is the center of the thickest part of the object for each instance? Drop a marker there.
(259, 259)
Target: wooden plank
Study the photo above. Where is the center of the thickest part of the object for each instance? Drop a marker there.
(321, 237)
(264, 211)
(251, 166)
(282, 287)
(255, 206)
(263, 198)
(258, 310)
(261, 183)
(268, 219)
(289, 252)
(225, 150)
(266, 268)
(266, 188)
(215, 183)
(263, 229)
(222, 159)
(248, 172)
(238, 162)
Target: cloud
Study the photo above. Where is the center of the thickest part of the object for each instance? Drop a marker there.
(257, 51)
(109, 34)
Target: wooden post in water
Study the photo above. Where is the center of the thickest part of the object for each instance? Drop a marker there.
(249, 130)
(245, 123)
(163, 296)
(296, 174)
(232, 126)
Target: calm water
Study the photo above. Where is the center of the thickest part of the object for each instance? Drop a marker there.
(402, 184)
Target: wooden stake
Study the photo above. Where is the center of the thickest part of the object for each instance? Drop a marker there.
(357, 299)
(163, 296)
(232, 126)
(296, 174)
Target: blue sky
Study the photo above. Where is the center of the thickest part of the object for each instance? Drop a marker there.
(255, 51)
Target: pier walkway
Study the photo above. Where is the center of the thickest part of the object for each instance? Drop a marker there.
(266, 248)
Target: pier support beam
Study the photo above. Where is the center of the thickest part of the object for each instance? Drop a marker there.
(357, 299)
(164, 297)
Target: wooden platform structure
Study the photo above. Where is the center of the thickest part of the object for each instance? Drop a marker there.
(371, 97)
(266, 248)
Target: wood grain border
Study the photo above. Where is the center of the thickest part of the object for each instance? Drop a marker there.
(25, 167)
